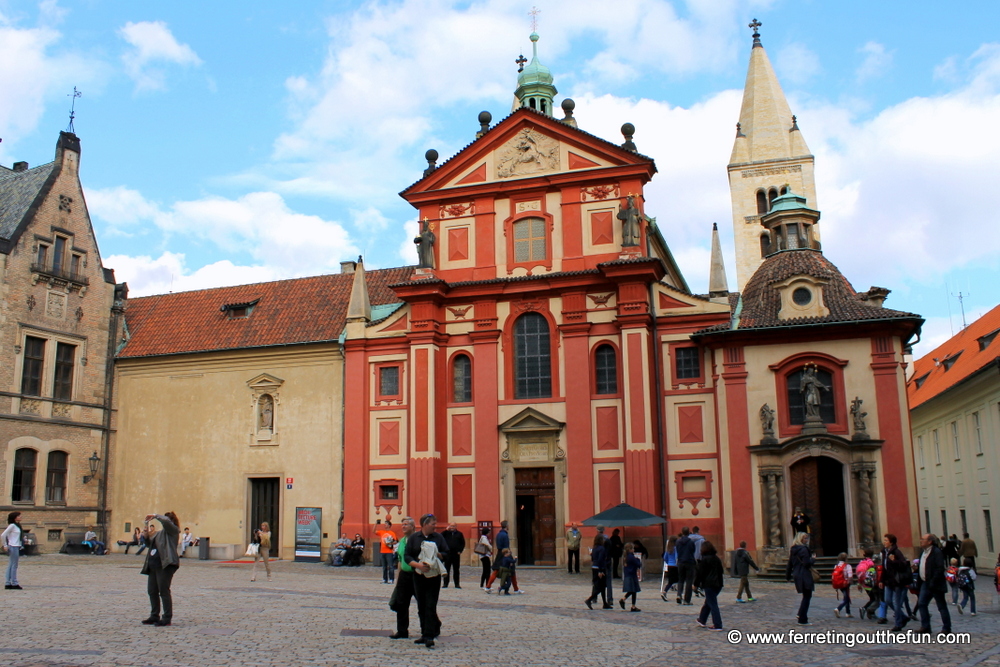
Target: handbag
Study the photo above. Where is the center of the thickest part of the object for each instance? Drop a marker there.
(482, 549)
(253, 549)
(815, 574)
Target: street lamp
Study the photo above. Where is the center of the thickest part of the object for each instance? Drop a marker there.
(94, 461)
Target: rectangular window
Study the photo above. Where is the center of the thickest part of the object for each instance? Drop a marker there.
(944, 522)
(965, 523)
(954, 440)
(688, 362)
(55, 535)
(55, 478)
(58, 253)
(388, 381)
(389, 491)
(977, 427)
(74, 265)
(920, 455)
(22, 488)
(529, 240)
(34, 360)
(927, 520)
(65, 359)
(989, 530)
(937, 448)
(43, 254)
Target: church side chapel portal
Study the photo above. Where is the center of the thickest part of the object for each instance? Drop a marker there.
(817, 488)
(535, 521)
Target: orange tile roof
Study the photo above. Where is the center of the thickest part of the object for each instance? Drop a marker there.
(288, 312)
(958, 359)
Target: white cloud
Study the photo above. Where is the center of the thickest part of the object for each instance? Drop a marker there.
(153, 46)
(146, 275)
(876, 63)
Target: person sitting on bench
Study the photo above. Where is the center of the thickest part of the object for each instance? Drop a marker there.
(96, 546)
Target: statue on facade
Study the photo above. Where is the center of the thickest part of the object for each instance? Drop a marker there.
(810, 386)
(630, 222)
(425, 245)
(265, 412)
(767, 424)
(859, 418)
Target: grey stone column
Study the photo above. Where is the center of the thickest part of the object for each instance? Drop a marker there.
(864, 473)
(770, 479)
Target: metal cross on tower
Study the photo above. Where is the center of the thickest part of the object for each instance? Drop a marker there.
(72, 109)
(535, 11)
(520, 62)
(755, 24)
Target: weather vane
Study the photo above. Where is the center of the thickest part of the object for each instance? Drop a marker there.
(72, 109)
(535, 11)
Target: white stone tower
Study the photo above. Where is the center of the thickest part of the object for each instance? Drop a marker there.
(769, 155)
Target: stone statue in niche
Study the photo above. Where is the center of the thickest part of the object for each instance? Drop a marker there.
(425, 245)
(810, 386)
(265, 413)
(630, 222)
(767, 420)
(860, 432)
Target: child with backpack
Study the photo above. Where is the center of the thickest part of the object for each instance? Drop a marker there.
(949, 575)
(842, 575)
(868, 583)
(965, 579)
(506, 571)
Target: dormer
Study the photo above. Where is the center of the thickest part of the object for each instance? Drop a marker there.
(801, 297)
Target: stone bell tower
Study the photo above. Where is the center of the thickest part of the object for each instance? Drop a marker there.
(769, 157)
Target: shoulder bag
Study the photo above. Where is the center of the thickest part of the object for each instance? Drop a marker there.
(253, 549)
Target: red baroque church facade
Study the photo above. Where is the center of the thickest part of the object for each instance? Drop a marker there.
(548, 360)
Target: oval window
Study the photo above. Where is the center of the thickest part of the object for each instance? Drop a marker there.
(802, 296)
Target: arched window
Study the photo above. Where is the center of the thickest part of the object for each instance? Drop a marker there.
(529, 240)
(796, 398)
(531, 102)
(55, 477)
(22, 489)
(606, 369)
(772, 194)
(784, 190)
(532, 357)
(761, 202)
(765, 244)
(544, 110)
(462, 379)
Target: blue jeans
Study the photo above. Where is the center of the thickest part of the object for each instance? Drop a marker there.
(711, 604)
(924, 601)
(969, 596)
(954, 593)
(15, 555)
(896, 599)
(846, 602)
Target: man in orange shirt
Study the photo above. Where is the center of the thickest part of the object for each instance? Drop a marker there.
(387, 544)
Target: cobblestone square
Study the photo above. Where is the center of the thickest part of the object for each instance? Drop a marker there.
(85, 610)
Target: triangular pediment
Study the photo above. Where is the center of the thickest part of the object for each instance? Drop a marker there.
(531, 419)
(265, 381)
(670, 301)
(526, 145)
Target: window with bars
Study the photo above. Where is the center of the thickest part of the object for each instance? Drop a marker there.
(62, 388)
(688, 363)
(532, 357)
(34, 361)
(388, 381)
(529, 240)
(22, 489)
(462, 379)
(606, 369)
(55, 477)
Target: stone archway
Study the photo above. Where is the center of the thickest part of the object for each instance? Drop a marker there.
(817, 485)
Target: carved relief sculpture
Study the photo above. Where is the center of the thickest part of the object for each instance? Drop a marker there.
(630, 223)
(528, 152)
(425, 245)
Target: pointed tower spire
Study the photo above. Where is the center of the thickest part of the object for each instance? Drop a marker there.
(769, 156)
(359, 309)
(718, 285)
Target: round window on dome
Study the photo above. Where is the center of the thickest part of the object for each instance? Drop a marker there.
(802, 296)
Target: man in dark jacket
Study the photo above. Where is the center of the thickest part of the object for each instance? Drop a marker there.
(685, 566)
(426, 588)
(455, 540)
(895, 580)
(743, 561)
(930, 577)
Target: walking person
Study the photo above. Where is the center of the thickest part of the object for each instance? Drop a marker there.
(616, 548)
(841, 580)
(426, 562)
(744, 561)
(502, 542)
(799, 569)
(697, 538)
(160, 565)
(930, 578)
(386, 548)
(573, 539)
(868, 584)
(11, 538)
(263, 538)
(485, 550)
(598, 572)
(896, 580)
(710, 579)
(456, 545)
(399, 601)
(951, 576)
(968, 549)
(669, 567)
(685, 567)
(630, 577)
(966, 580)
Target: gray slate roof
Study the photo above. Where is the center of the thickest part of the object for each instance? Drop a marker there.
(18, 191)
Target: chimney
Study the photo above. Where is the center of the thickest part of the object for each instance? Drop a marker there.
(20, 166)
(348, 267)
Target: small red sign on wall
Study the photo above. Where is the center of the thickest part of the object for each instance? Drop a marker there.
(289, 480)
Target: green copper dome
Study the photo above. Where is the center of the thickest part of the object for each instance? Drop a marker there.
(788, 202)
(534, 83)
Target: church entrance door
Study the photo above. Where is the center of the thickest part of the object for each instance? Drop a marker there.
(264, 499)
(535, 499)
(817, 487)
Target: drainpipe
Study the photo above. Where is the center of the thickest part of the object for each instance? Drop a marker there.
(117, 309)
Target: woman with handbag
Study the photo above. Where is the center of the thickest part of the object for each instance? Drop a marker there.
(800, 569)
(484, 549)
(262, 539)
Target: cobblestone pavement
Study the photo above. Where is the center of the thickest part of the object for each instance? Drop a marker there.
(85, 610)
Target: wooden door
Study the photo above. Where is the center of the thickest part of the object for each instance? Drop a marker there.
(539, 535)
(264, 497)
(805, 494)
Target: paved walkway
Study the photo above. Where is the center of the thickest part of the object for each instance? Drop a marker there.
(85, 610)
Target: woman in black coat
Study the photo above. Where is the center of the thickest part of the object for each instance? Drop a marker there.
(598, 564)
(709, 576)
(799, 570)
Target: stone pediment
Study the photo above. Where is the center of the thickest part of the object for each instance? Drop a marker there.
(530, 419)
(265, 382)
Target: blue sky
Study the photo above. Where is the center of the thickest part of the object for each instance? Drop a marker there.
(248, 141)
